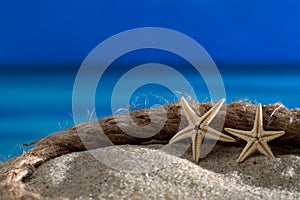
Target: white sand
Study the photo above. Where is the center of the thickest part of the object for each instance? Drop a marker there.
(217, 176)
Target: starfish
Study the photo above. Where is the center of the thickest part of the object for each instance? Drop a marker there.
(257, 138)
(198, 127)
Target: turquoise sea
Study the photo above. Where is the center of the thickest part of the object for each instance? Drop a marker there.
(37, 101)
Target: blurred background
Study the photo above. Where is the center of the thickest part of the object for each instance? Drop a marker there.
(255, 45)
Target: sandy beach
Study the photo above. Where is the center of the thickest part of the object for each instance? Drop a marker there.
(217, 176)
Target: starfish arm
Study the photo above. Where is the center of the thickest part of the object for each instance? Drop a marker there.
(245, 135)
(184, 133)
(217, 135)
(197, 141)
(258, 123)
(208, 116)
(264, 148)
(271, 135)
(189, 112)
(249, 149)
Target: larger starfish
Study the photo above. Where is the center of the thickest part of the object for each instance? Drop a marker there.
(257, 138)
(198, 127)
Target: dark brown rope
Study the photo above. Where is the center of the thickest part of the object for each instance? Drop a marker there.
(238, 115)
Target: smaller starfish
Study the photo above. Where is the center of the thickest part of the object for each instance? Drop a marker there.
(257, 138)
(198, 127)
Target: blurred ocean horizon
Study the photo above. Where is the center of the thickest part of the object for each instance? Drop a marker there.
(36, 101)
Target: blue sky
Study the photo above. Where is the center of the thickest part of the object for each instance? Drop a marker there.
(45, 34)
(65, 31)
